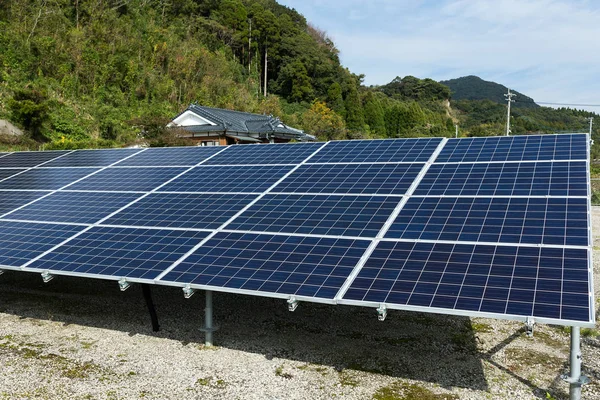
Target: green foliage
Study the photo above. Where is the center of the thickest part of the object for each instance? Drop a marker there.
(411, 88)
(474, 88)
(374, 114)
(355, 120)
(335, 101)
(321, 121)
(29, 107)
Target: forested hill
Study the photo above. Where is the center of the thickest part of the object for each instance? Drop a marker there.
(474, 88)
(83, 73)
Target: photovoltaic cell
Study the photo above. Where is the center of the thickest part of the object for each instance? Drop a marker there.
(11, 200)
(369, 151)
(227, 179)
(6, 173)
(92, 158)
(556, 221)
(506, 179)
(351, 178)
(319, 215)
(46, 178)
(265, 154)
(171, 156)
(303, 266)
(182, 210)
(127, 179)
(76, 207)
(515, 148)
(21, 241)
(28, 159)
(524, 281)
(120, 252)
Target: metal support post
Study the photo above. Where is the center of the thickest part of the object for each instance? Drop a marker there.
(575, 379)
(148, 297)
(208, 319)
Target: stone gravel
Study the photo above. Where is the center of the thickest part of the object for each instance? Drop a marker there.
(84, 339)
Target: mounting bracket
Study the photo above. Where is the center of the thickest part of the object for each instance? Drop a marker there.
(292, 304)
(529, 324)
(124, 285)
(582, 380)
(47, 276)
(381, 312)
(188, 291)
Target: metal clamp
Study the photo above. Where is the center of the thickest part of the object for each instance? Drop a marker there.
(47, 276)
(188, 291)
(529, 324)
(292, 304)
(123, 284)
(381, 312)
(582, 380)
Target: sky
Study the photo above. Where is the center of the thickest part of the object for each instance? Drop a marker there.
(545, 49)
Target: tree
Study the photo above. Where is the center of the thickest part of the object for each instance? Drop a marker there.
(30, 108)
(355, 120)
(335, 101)
(321, 121)
(374, 114)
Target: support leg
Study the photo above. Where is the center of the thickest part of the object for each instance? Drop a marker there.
(575, 378)
(208, 319)
(148, 297)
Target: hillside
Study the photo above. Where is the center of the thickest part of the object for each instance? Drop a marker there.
(474, 88)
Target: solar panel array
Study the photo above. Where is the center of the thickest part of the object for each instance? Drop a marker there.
(495, 227)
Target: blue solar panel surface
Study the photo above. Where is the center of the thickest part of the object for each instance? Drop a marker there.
(318, 215)
(407, 150)
(10, 200)
(120, 252)
(182, 210)
(227, 179)
(92, 158)
(46, 178)
(515, 148)
(127, 179)
(527, 281)
(28, 159)
(351, 179)
(6, 173)
(22, 241)
(506, 179)
(291, 265)
(171, 156)
(495, 227)
(265, 154)
(74, 207)
(554, 221)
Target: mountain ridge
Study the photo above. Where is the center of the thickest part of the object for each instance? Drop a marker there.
(472, 87)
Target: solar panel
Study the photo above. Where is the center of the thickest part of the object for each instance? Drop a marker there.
(500, 280)
(11, 200)
(171, 156)
(182, 210)
(506, 179)
(28, 159)
(46, 178)
(351, 179)
(74, 207)
(515, 148)
(7, 173)
(406, 150)
(265, 154)
(227, 179)
(120, 252)
(22, 241)
(290, 265)
(127, 179)
(92, 158)
(318, 215)
(555, 221)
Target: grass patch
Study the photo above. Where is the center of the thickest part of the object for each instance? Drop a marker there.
(407, 391)
(524, 358)
(348, 379)
(279, 372)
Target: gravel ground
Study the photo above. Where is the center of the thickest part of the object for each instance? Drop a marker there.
(83, 339)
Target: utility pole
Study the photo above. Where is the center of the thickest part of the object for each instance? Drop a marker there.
(250, 46)
(456, 126)
(509, 99)
(591, 125)
(265, 83)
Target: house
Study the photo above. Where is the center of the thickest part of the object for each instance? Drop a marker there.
(218, 127)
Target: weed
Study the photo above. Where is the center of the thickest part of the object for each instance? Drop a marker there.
(279, 372)
(406, 391)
